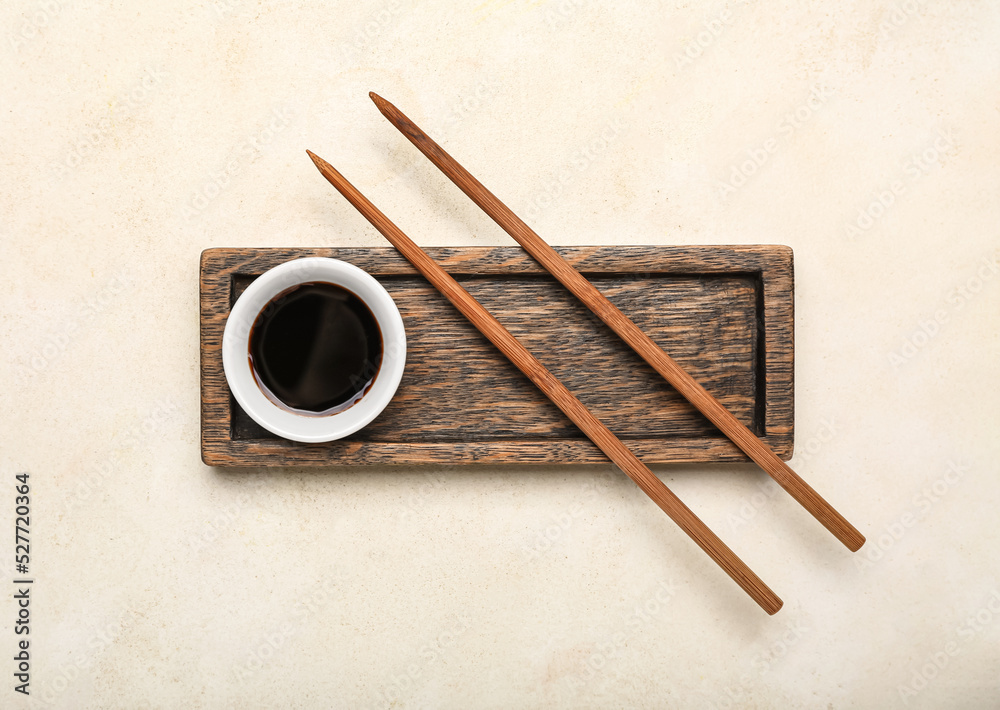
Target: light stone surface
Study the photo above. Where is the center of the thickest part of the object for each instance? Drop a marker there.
(136, 135)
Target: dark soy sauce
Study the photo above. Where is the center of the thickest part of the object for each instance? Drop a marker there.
(315, 348)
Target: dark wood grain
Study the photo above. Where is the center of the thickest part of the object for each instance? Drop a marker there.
(724, 312)
(650, 351)
(553, 388)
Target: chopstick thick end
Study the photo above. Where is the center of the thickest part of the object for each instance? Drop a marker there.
(854, 541)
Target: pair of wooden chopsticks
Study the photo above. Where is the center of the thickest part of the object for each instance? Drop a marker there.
(602, 437)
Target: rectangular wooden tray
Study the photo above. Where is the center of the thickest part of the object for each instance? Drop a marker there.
(725, 313)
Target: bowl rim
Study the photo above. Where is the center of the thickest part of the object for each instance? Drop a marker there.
(236, 340)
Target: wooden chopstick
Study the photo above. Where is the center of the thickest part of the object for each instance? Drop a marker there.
(757, 450)
(557, 392)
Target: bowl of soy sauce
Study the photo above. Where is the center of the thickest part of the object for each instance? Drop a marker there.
(314, 349)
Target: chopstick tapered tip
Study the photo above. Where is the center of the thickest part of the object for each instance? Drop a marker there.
(386, 108)
(318, 161)
(392, 113)
(325, 169)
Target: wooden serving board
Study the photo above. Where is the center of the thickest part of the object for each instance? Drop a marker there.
(723, 312)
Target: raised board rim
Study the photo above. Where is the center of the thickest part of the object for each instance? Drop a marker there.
(771, 264)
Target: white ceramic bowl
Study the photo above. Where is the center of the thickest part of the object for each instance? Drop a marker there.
(236, 342)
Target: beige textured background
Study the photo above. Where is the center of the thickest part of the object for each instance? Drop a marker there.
(863, 135)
